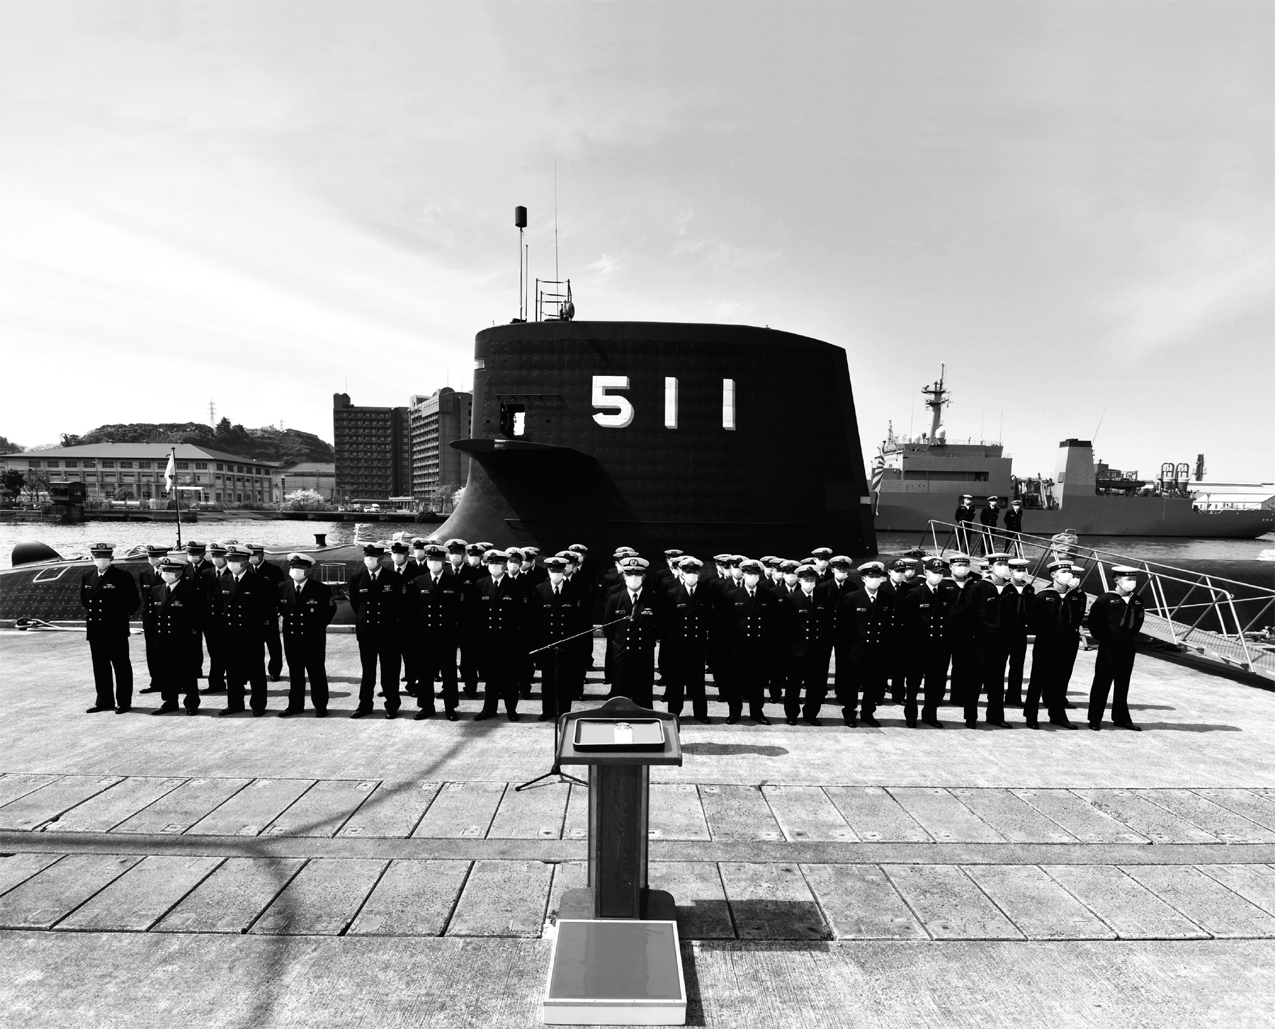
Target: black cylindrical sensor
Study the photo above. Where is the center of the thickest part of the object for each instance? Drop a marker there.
(520, 217)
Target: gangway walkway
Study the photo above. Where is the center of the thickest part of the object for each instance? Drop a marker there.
(1221, 620)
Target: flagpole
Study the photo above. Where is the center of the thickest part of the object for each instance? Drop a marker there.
(177, 497)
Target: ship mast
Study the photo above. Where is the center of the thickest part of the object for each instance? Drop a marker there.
(937, 398)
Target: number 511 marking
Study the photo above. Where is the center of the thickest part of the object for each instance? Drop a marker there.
(616, 412)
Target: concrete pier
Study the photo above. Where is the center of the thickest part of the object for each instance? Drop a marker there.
(271, 872)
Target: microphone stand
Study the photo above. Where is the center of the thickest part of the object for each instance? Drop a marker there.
(560, 720)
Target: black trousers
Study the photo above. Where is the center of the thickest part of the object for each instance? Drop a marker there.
(1111, 674)
(808, 674)
(112, 671)
(470, 666)
(898, 670)
(500, 673)
(684, 679)
(377, 650)
(216, 658)
(274, 668)
(177, 671)
(433, 657)
(558, 678)
(966, 672)
(307, 657)
(633, 674)
(928, 665)
(152, 658)
(1017, 658)
(871, 673)
(993, 656)
(1052, 662)
(749, 679)
(244, 664)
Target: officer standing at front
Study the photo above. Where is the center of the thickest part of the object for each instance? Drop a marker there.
(199, 568)
(966, 674)
(558, 613)
(755, 623)
(989, 517)
(273, 575)
(685, 643)
(376, 594)
(176, 611)
(993, 603)
(432, 630)
(1056, 617)
(468, 572)
(926, 614)
(245, 603)
(1021, 595)
(501, 618)
(147, 579)
(632, 641)
(1115, 620)
(1014, 519)
(307, 607)
(865, 622)
(110, 597)
(809, 646)
(897, 584)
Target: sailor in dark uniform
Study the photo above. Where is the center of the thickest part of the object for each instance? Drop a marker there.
(631, 642)
(1014, 517)
(578, 585)
(521, 584)
(994, 602)
(245, 603)
(376, 594)
(1115, 619)
(897, 584)
(273, 574)
(965, 519)
(754, 623)
(535, 572)
(841, 582)
(1057, 614)
(202, 570)
(822, 555)
(176, 611)
(431, 630)
(926, 615)
(809, 647)
(558, 613)
(469, 573)
(785, 587)
(1021, 596)
(865, 622)
(307, 607)
(501, 621)
(692, 613)
(147, 579)
(989, 517)
(966, 674)
(110, 597)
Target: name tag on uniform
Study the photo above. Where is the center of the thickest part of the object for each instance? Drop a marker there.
(647, 611)
(108, 585)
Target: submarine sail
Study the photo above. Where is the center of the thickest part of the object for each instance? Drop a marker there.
(656, 434)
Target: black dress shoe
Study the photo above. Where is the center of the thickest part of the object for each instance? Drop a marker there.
(1031, 723)
(288, 712)
(452, 716)
(1128, 725)
(484, 715)
(1063, 723)
(1068, 703)
(514, 716)
(971, 725)
(732, 719)
(164, 709)
(933, 723)
(422, 714)
(470, 691)
(546, 718)
(321, 714)
(1095, 726)
(1001, 725)
(360, 712)
(849, 720)
(258, 714)
(791, 721)
(391, 713)
(151, 689)
(124, 710)
(229, 711)
(910, 722)
(869, 720)
(274, 676)
(812, 720)
(703, 721)
(760, 719)
(98, 707)
(189, 711)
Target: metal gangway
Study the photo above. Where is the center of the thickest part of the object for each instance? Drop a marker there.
(1221, 620)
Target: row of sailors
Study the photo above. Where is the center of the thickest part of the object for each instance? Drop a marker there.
(766, 628)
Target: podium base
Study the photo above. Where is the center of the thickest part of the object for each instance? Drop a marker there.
(657, 905)
(615, 971)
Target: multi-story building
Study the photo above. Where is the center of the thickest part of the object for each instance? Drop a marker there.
(316, 475)
(436, 422)
(373, 450)
(111, 470)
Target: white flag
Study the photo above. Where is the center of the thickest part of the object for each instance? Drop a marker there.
(169, 472)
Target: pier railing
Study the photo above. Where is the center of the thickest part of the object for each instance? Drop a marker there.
(1221, 619)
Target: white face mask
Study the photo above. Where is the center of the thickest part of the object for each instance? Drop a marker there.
(960, 571)
(751, 579)
(1020, 575)
(219, 562)
(933, 578)
(807, 585)
(896, 577)
(371, 563)
(871, 582)
(820, 565)
(171, 577)
(790, 578)
(557, 577)
(496, 570)
(102, 563)
(236, 567)
(1126, 585)
(155, 561)
(456, 559)
(841, 574)
(399, 560)
(1063, 580)
(473, 560)
(298, 574)
(434, 565)
(419, 553)
(255, 560)
(690, 578)
(634, 582)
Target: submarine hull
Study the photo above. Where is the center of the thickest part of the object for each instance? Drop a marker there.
(650, 434)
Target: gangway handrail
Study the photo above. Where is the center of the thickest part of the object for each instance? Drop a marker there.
(1221, 601)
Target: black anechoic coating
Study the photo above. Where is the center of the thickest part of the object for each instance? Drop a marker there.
(787, 478)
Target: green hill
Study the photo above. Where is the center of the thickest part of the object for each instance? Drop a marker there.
(287, 446)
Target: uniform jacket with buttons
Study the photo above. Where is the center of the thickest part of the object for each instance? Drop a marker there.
(863, 624)
(307, 608)
(109, 598)
(434, 605)
(244, 605)
(378, 604)
(175, 614)
(557, 616)
(809, 621)
(1115, 622)
(691, 621)
(269, 571)
(1056, 617)
(926, 614)
(147, 579)
(501, 612)
(1014, 520)
(989, 516)
(757, 622)
(641, 629)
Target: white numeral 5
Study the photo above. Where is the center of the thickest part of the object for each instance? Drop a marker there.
(623, 410)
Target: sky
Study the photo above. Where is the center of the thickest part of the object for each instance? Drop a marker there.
(1070, 205)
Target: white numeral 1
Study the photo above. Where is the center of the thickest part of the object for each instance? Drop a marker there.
(670, 403)
(728, 403)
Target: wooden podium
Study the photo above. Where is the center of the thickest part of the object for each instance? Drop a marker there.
(617, 956)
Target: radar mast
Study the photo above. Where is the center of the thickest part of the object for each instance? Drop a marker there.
(937, 398)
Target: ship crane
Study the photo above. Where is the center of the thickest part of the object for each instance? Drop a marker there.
(937, 400)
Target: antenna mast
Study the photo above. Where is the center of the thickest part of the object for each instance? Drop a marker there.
(212, 413)
(555, 219)
(520, 220)
(938, 398)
